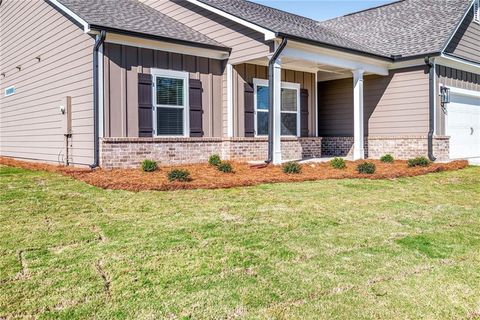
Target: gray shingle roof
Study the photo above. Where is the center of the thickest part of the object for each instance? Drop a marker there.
(408, 27)
(133, 16)
(286, 23)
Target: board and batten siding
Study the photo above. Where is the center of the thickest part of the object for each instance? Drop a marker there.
(245, 73)
(466, 42)
(246, 44)
(47, 58)
(452, 78)
(121, 67)
(394, 105)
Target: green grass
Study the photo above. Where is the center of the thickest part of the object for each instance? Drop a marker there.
(347, 249)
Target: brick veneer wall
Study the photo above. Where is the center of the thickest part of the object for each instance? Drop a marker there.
(400, 147)
(130, 152)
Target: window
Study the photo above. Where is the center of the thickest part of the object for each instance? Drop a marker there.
(170, 103)
(290, 108)
(476, 11)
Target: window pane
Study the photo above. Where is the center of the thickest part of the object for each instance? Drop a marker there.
(262, 123)
(169, 121)
(169, 91)
(262, 98)
(289, 124)
(289, 100)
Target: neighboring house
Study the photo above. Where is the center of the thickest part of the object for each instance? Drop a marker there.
(113, 82)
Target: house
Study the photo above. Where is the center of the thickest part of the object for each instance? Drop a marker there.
(111, 83)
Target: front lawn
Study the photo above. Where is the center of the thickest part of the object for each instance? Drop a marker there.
(345, 249)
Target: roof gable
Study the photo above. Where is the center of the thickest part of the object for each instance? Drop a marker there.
(134, 17)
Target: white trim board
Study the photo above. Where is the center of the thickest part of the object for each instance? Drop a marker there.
(458, 26)
(269, 35)
(71, 14)
(462, 92)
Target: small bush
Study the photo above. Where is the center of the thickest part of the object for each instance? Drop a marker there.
(387, 158)
(225, 167)
(149, 165)
(418, 162)
(338, 163)
(292, 168)
(366, 167)
(214, 160)
(179, 175)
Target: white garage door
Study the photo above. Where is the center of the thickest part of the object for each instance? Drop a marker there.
(463, 125)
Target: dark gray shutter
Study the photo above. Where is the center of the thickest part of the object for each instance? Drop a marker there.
(304, 112)
(145, 105)
(249, 111)
(196, 108)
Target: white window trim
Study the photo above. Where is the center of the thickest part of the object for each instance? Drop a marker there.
(284, 85)
(186, 110)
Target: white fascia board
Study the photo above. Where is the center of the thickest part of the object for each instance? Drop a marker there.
(335, 60)
(458, 26)
(269, 35)
(71, 14)
(165, 46)
(407, 63)
(457, 63)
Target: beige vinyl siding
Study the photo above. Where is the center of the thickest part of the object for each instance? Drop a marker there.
(245, 73)
(246, 43)
(30, 120)
(466, 42)
(452, 78)
(122, 65)
(394, 105)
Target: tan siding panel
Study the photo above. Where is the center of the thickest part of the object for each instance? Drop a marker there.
(466, 42)
(30, 121)
(394, 105)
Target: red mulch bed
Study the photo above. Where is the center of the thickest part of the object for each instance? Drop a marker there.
(205, 176)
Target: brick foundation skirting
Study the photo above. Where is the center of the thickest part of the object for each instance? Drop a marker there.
(130, 152)
(400, 147)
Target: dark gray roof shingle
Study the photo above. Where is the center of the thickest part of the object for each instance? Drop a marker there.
(286, 23)
(408, 27)
(133, 16)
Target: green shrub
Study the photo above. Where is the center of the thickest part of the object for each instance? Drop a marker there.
(225, 167)
(418, 162)
(214, 160)
(149, 165)
(387, 158)
(292, 168)
(366, 167)
(179, 175)
(338, 163)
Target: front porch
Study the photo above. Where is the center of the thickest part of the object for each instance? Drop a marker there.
(296, 63)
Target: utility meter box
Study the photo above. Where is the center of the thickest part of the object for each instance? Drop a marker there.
(66, 112)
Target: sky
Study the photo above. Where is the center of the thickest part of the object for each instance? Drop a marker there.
(322, 9)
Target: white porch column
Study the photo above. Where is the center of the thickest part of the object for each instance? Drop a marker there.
(229, 100)
(277, 82)
(358, 132)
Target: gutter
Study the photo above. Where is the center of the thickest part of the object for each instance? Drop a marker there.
(96, 148)
(430, 62)
(271, 66)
